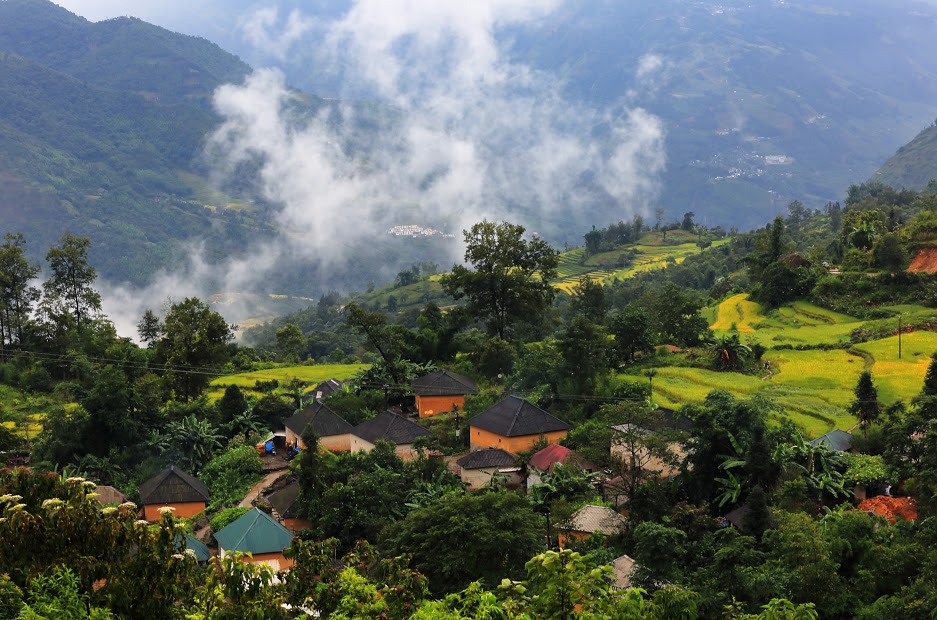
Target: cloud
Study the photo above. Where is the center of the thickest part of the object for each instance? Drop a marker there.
(462, 133)
(473, 134)
(648, 64)
(263, 29)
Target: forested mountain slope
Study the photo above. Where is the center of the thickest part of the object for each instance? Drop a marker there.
(915, 163)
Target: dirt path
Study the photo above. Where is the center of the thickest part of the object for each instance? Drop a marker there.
(260, 486)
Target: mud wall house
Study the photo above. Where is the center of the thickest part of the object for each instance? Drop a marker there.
(176, 489)
(514, 425)
(590, 520)
(333, 431)
(388, 426)
(476, 469)
(258, 534)
(543, 462)
(441, 391)
(630, 442)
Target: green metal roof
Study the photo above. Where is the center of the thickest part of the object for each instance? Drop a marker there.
(254, 532)
(202, 554)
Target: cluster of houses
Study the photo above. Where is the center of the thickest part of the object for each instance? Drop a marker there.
(496, 437)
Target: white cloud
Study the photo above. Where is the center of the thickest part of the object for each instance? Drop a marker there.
(466, 134)
(263, 29)
(648, 64)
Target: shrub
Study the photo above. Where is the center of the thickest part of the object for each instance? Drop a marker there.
(229, 476)
(226, 517)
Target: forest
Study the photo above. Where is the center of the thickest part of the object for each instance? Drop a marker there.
(740, 501)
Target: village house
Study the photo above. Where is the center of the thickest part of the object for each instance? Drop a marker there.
(173, 488)
(258, 534)
(388, 426)
(590, 520)
(441, 392)
(629, 443)
(285, 508)
(836, 440)
(477, 468)
(333, 431)
(326, 388)
(543, 462)
(515, 425)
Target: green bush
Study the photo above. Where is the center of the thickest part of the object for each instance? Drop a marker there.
(226, 517)
(230, 476)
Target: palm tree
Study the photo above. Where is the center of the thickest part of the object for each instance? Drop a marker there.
(729, 352)
(195, 440)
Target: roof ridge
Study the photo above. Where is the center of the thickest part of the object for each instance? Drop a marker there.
(516, 415)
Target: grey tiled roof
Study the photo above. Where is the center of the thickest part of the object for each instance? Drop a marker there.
(490, 457)
(284, 500)
(597, 519)
(444, 383)
(172, 486)
(515, 417)
(324, 421)
(838, 440)
(390, 427)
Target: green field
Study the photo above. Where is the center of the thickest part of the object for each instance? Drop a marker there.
(814, 387)
(310, 375)
(650, 253)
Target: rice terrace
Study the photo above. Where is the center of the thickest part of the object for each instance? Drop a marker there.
(813, 368)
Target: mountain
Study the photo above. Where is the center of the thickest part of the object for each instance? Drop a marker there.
(101, 126)
(764, 101)
(915, 163)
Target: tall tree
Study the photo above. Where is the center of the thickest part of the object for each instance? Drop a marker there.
(148, 328)
(589, 300)
(865, 406)
(68, 289)
(511, 276)
(194, 342)
(16, 295)
(633, 334)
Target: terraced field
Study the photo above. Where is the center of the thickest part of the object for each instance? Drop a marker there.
(310, 375)
(650, 254)
(814, 387)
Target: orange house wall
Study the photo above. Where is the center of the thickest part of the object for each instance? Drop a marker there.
(184, 510)
(434, 405)
(564, 538)
(481, 438)
(333, 443)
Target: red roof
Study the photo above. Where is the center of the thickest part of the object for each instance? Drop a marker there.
(555, 453)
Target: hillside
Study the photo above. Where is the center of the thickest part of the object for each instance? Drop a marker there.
(914, 165)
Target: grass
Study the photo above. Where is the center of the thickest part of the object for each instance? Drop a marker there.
(650, 253)
(814, 387)
(311, 375)
(23, 414)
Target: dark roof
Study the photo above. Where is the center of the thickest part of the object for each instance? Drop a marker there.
(444, 383)
(838, 440)
(284, 500)
(172, 486)
(667, 419)
(515, 417)
(326, 388)
(490, 457)
(324, 421)
(390, 427)
(254, 532)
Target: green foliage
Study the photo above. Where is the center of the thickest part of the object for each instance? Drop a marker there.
(194, 340)
(230, 475)
(510, 281)
(462, 538)
(867, 469)
(227, 516)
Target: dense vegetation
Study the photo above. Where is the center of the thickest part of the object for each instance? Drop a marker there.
(606, 354)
